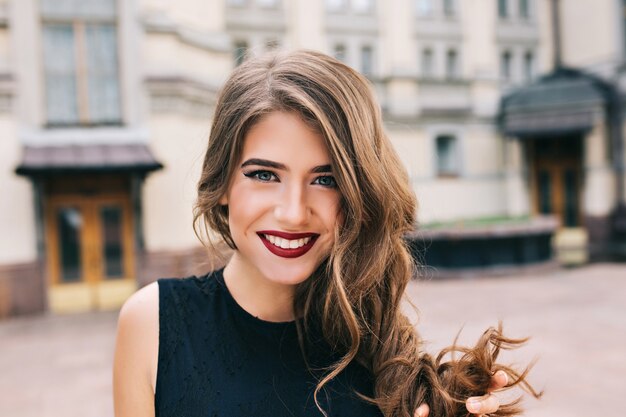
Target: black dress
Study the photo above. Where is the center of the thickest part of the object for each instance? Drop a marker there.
(215, 359)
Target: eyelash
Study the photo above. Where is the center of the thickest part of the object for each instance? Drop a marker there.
(255, 176)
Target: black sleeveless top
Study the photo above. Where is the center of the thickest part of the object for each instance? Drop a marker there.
(217, 360)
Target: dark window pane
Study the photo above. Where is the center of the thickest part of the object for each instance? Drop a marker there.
(60, 74)
(102, 73)
(111, 220)
(240, 51)
(524, 9)
(340, 52)
(447, 156)
(503, 8)
(70, 223)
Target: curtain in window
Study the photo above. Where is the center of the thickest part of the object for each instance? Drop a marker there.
(60, 74)
(102, 74)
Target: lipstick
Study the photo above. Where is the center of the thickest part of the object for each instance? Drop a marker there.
(266, 235)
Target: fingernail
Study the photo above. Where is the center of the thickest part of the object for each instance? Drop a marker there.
(473, 406)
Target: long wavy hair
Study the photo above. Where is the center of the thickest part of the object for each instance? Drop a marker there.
(356, 294)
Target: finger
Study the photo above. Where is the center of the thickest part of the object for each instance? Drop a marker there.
(422, 411)
(498, 381)
(482, 405)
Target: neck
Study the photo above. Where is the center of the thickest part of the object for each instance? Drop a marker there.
(262, 298)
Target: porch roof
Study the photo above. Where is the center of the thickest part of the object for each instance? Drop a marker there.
(566, 101)
(38, 160)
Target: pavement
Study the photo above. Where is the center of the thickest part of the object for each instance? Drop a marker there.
(53, 366)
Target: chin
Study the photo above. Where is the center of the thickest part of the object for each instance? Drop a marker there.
(289, 274)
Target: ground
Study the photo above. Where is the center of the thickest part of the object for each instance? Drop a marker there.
(61, 365)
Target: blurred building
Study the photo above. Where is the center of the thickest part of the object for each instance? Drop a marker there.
(105, 107)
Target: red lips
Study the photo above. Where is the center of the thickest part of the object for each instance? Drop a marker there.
(287, 253)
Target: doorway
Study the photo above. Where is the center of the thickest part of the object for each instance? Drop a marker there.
(90, 252)
(557, 178)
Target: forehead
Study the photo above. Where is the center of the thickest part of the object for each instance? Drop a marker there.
(285, 137)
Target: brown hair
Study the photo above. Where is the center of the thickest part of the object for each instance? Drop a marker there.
(356, 293)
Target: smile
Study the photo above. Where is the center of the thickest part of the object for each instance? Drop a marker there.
(287, 245)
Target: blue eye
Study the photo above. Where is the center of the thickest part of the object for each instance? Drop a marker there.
(263, 176)
(326, 181)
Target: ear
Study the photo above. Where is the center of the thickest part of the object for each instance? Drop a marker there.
(224, 200)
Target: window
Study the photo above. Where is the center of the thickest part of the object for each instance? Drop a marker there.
(503, 9)
(427, 63)
(272, 44)
(335, 5)
(449, 8)
(447, 156)
(529, 64)
(340, 52)
(367, 60)
(452, 64)
(240, 52)
(505, 66)
(80, 62)
(363, 6)
(267, 3)
(524, 9)
(424, 8)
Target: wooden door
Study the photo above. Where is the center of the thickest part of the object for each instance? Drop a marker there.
(557, 179)
(90, 252)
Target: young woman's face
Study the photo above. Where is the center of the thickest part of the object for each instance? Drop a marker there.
(283, 202)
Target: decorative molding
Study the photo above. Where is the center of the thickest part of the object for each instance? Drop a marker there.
(209, 41)
(86, 136)
(180, 94)
(352, 24)
(7, 91)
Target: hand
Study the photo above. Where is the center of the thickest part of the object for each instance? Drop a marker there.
(478, 405)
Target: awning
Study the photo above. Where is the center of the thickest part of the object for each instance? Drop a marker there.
(38, 160)
(566, 101)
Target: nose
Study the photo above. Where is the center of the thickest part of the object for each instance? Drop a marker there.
(292, 209)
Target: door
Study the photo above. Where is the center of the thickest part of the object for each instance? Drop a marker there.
(89, 252)
(557, 179)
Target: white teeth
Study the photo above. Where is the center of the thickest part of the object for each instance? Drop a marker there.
(287, 244)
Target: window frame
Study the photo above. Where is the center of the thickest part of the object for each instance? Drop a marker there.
(453, 63)
(371, 70)
(506, 65)
(504, 9)
(529, 65)
(430, 72)
(79, 26)
(455, 171)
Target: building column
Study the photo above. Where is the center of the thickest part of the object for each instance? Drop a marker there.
(517, 190)
(599, 184)
(400, 68)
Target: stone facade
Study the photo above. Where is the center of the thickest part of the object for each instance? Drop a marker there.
(439, 70)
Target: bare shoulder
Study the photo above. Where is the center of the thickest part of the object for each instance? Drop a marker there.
(142, 306)
(136, 353)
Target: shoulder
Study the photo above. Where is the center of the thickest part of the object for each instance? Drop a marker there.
(136, 352)
(138, 326)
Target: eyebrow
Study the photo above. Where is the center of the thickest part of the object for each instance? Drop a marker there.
(277, 165)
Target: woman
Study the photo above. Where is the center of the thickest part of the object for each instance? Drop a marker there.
(301, 182)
